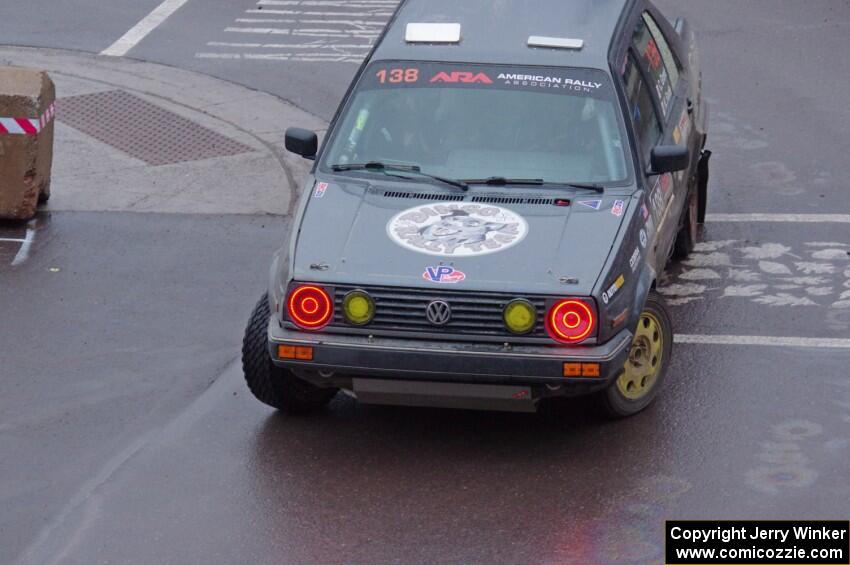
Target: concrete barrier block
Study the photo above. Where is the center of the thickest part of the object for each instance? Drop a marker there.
(27, 109)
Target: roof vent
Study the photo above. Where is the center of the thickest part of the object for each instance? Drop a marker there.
(432, 33)
(555, 42)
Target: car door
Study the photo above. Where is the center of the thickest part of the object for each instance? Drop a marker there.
(656, 89)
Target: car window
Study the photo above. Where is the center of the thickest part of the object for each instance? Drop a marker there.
(476, 121)
(657, 60)
(666, 53)
(641, 108)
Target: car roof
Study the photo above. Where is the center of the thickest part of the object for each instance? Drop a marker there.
(497, 31)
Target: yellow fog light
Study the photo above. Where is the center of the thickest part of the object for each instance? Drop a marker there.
(358, 308)
(520, 316)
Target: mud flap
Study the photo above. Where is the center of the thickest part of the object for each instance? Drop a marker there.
(702, 185)
(445, 395)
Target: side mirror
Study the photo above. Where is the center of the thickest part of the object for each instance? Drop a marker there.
(302, 142)
(669, 158)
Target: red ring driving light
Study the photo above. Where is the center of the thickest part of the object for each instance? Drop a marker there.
(310, 307)
(570, 321)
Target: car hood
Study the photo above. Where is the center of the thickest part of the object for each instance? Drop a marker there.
(416, 235)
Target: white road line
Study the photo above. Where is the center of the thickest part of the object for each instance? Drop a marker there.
(300, 13)
(143, 28)
(336, 4)
(301, 57)
(263, 21)
(263, 30)
(764, 340)
(218, 55)
(288, 45)
(24, 251)
(781, 218)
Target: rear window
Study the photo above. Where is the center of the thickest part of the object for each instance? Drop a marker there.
(473, 122)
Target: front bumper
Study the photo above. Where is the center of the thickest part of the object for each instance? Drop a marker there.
(338, 358)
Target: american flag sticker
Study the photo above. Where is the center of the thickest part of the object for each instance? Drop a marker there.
(618, 208)
(320, 190)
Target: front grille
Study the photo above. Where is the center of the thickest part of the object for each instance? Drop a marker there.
(473, 313)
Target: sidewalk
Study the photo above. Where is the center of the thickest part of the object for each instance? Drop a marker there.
(144, 137)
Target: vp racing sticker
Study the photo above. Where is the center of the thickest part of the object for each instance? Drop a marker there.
(457, 230)
(443, 275)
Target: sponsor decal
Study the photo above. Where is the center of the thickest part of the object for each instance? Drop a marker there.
(685, 125)
(613, 289)
(665, 93)
(677, 135)
(464, 77)
(643, 239)
(592, 204)
(644, 211)
(443, 275)
(321, 188)
(519, 79)
(657, 199)
(653, 55)
(635, 258)
(457, 230)
(666, 181)
(618, 208)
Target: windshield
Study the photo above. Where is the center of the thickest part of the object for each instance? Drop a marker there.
(470, 122)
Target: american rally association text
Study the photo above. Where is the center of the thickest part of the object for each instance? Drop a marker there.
(726, 535)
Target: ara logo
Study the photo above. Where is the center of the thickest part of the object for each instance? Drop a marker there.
(443, 275)
(592, 204)
(462, 76)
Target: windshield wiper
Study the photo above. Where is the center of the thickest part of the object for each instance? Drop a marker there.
(581, 186)
(386, 168)
(502, 181)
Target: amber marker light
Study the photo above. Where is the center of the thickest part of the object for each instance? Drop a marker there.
(310, 307)
(582, 370)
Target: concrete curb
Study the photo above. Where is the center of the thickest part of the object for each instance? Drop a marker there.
(92, 176)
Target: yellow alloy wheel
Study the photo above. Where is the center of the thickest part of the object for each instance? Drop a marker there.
(646, 359)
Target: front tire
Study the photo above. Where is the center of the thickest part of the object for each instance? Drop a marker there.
(646, 368)
(270, 384)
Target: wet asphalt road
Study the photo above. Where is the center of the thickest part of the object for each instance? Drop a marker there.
(127, 435)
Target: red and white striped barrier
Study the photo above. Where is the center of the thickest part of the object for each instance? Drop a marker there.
(27, 126)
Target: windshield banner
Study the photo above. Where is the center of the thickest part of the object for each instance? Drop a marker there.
(399, 74)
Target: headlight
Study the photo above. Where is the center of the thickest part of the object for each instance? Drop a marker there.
(571, 321)
(520, 316)
(358, 308)
(310, 307)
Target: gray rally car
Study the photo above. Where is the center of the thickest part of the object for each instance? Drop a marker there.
(490, 212)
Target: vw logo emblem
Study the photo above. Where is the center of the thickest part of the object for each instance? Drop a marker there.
(439, 313)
